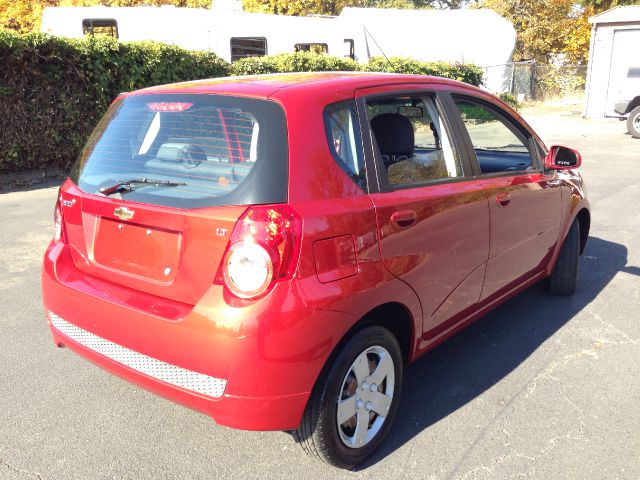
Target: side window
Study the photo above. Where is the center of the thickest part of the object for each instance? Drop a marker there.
(494, 140)
(100, 27)
(311, 47)
(344, 140)
(412, 141)
(634, 72)
(242, 47)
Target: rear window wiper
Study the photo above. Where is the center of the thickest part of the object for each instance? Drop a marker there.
(126, 186)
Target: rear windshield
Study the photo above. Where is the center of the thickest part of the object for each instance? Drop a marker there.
(210, 149)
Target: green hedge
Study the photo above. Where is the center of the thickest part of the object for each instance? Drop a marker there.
(311, 62)
(54, 90)
(292, 62)
(510, 99)
(465, 73)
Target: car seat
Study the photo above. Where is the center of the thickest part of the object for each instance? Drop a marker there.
(395, 137)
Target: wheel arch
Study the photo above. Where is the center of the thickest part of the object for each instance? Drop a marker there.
(581, 213)
(395, 317)
(633, 104)
(584, 219)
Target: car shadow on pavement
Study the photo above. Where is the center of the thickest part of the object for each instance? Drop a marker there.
(475, 359)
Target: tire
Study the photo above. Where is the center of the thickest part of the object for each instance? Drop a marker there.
(633, 122)
(358, 383)
(564, 276)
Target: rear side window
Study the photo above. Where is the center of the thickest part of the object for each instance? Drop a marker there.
(634, 72)
(412, 142)
(216, 150)
(498, 148)
(344, 140)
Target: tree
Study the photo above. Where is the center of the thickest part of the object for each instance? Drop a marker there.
(546, 28)
(22, 16)
(321, 7)
(576, 44)
(602, 5)
(334, 7)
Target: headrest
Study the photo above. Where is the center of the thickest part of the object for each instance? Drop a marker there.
(394, 134)
(178, 152)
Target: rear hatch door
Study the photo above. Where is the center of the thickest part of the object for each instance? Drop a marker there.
(218, 155)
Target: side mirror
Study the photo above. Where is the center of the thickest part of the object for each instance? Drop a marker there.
(562, 158)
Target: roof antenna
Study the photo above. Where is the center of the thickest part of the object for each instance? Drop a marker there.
(367, 32)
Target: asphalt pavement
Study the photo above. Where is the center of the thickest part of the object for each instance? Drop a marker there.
(543, 387)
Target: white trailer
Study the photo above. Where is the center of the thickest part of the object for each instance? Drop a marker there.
(476, 36)
(230, 34)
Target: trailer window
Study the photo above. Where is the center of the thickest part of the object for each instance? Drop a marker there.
(100, 27)
(352, 49)
(242, 47)
(311, 47)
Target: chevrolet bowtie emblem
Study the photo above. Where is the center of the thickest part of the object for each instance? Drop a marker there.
(123, 213)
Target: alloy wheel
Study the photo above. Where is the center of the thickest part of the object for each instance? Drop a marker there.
(365, 397)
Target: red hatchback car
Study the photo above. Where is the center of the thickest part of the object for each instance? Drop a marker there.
(272, 250)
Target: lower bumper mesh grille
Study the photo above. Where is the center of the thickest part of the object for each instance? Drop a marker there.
(172, 374)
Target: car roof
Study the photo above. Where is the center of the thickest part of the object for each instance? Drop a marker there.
(262, 86)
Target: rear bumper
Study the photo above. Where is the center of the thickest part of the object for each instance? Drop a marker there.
(139, 363)
(248, 413)
(250, 368)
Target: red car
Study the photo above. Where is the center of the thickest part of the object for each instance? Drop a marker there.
(273, 250)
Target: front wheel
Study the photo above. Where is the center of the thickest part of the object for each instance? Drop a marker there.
(564, 276)
(355, 401)
(633, 123)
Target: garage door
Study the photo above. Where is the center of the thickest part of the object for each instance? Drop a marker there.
(623, 56)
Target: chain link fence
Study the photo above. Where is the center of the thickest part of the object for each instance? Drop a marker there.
(534, 81)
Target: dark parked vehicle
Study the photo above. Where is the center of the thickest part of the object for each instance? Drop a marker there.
(628, 104)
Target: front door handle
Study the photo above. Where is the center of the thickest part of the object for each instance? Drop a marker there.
(503, 199)
(404, 218)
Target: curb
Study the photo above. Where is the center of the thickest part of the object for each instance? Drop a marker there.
(30, 177)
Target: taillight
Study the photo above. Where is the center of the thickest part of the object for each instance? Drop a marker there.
(263, 249)
(58, 223)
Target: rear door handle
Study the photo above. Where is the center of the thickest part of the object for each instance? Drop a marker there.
(503, 199)
(404, 218)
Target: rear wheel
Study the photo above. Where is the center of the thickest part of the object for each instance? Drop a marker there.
(354, 403)
(633, 123)
(564, 277)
